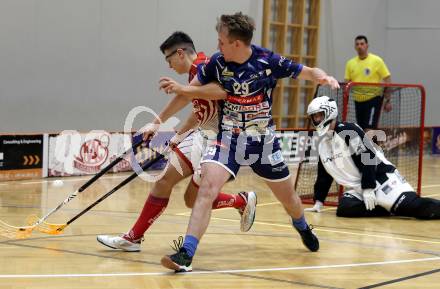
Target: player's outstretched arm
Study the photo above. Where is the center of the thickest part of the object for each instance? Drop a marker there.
(210, 91)
(319, 76)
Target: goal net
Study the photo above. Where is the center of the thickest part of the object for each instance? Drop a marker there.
(402, 127)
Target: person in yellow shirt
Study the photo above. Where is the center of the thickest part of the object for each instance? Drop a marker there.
(368, 67)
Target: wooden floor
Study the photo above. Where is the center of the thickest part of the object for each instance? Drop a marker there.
(388, 252)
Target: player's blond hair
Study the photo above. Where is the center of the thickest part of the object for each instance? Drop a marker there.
(239, 26)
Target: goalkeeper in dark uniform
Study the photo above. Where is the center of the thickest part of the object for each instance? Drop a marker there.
(373, 185)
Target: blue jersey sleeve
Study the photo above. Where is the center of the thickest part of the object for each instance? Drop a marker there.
(283, 67)
(207, 73)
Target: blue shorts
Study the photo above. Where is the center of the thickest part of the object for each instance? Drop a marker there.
(263, 154)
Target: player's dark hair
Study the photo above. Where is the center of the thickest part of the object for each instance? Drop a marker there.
(239, 26)
(360, 37)
(176, 40)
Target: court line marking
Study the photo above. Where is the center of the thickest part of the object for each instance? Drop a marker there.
(430, 186)
(397, 280)
(253, 270)
(188, 213)
(329, 209)
(432, 195)
(326, 230)
(72, 180)
(338, 232)
(114, 176)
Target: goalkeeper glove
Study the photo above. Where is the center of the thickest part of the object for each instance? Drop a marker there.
(369, 199)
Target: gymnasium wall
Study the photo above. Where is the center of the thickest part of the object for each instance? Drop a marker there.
(405, 33)
(83, 64)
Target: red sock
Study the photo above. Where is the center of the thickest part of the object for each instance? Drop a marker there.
(228, 200)
(153, 208)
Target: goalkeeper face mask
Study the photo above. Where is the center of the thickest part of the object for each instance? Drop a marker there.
(322, 111)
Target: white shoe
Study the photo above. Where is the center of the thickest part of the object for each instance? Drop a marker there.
(248, 212)
(316, 208)
(118, 242)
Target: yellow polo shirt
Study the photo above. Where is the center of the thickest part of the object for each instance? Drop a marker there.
(371, 69)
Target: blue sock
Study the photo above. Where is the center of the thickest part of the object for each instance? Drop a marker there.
(190, 245)
(300, 223)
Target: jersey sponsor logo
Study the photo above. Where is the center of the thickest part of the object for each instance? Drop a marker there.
(282, 60)
(250, 116)
(245, 100)
(245, 108)
(225, 72)
(233, 115)
(262, 123)
(276, 158)
(332, 158)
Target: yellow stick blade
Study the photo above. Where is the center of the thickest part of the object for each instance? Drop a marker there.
(12, 232)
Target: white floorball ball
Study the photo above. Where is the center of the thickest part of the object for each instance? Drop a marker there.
(58, 183)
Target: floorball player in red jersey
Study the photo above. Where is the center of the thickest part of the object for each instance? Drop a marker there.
(181, 56)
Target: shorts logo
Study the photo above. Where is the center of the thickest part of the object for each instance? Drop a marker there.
(276, 158)
(210, 151)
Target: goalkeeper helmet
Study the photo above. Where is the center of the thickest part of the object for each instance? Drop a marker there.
(329, 110)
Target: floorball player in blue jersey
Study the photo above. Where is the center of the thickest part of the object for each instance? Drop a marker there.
(248, 73)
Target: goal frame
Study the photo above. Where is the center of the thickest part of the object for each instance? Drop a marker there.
(346, 88)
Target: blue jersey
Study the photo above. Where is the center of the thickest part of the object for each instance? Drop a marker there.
(248, 106)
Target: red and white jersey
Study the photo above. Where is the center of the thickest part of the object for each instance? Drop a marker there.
(205, 110)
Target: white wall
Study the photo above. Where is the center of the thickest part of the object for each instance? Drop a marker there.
(405, 33)
(83, 64)
(413, 45)
(341, 22)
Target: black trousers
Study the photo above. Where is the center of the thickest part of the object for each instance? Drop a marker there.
(408, 205)
(368, 112)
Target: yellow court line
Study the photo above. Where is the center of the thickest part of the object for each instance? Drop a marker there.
(329, 209)
(430, 186)
(432, 195)
(339, 232)
(268, 204)
(223, 209)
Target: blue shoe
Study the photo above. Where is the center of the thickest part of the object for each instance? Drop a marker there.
(309, 239)
(180, 261)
